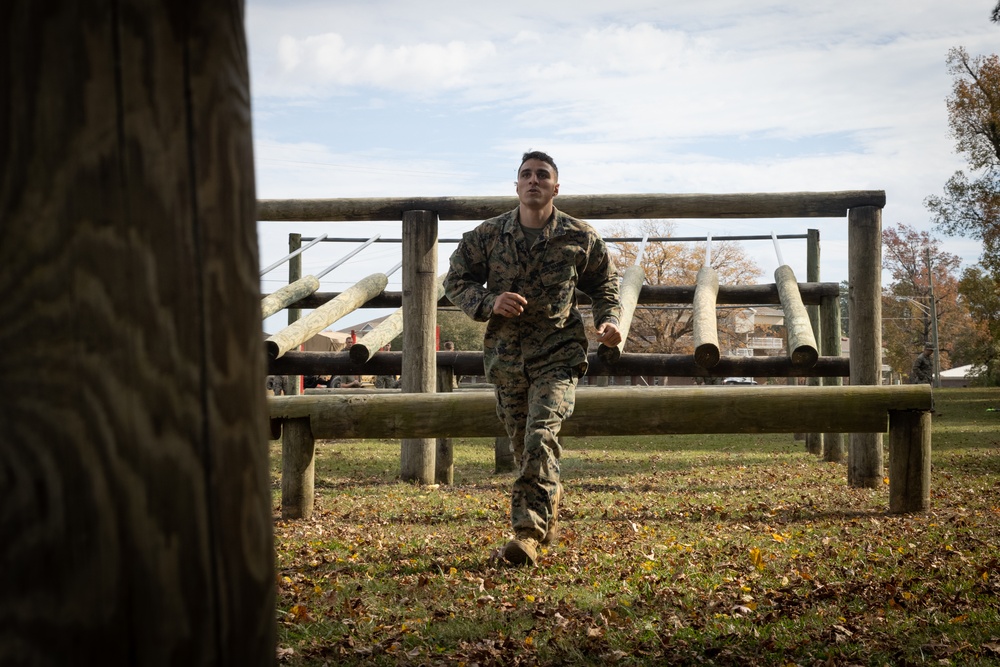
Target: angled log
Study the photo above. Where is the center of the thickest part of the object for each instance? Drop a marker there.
(802, 348)
(385, 332)
(287, 295)
(631, 285)
(705, 322)
(305, 328)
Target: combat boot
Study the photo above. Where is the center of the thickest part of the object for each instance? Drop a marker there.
(521, 551)
(552, 534)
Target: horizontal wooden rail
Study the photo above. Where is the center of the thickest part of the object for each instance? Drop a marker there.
(613, 411)
(630, 363)
(729, 295)
(591, 207)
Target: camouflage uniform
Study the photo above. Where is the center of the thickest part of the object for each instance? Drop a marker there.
(923, 370)
(534, 360)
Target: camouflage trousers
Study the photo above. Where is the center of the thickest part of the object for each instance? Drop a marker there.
(532, 412)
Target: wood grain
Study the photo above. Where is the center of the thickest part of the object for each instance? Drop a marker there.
(133, 463)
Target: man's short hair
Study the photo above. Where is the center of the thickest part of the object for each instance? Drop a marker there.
(543, 157)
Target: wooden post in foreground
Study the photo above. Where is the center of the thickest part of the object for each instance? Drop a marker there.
(420, 229)
(865, 459)
(136, 524)
(909, 461)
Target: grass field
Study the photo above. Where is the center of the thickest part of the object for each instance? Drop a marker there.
(714, 550)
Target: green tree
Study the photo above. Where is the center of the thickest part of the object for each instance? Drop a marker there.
(456, 326)
(668, 329)
(970, 205)
(465, 332)
(981, 293)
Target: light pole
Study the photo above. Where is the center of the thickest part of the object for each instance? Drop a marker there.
(934, 321)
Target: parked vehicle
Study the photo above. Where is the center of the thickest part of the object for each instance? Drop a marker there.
(738, 380)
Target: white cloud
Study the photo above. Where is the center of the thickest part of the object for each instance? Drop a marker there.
(638, 96)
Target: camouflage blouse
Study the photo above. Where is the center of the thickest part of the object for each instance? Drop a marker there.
(568, 255)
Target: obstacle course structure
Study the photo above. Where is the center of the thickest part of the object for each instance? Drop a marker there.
(812, 308)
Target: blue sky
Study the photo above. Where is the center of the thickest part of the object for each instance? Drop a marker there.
(434, 98)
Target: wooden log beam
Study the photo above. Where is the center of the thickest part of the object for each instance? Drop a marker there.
(705, 319)
(631, 284)
(471, 363)
(590, 207)
(305, 328)
(729, 295)
(613, 411)
(802, 348)
(287, 295)
(386, 331)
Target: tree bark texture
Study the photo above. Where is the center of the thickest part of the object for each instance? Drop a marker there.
(136, 521)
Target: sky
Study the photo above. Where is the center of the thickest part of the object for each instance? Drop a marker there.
(394, 98)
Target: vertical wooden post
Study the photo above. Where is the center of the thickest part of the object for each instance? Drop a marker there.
(298, 469)
(814, 441)
(136, 525)
(444, 459)
(833, 443)
(909, 461)
(865, 460)
(420, 230)
(294, 384)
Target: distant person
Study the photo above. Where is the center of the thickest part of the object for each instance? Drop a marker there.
(350, 381)
(519, 273)
(386, 381)
(923, 367)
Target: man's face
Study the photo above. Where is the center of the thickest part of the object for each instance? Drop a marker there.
(537, 183)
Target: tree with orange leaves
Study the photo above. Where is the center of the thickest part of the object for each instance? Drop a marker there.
(668, 329)
(915, 263)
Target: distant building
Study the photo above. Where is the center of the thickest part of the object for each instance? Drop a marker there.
(962, 376)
